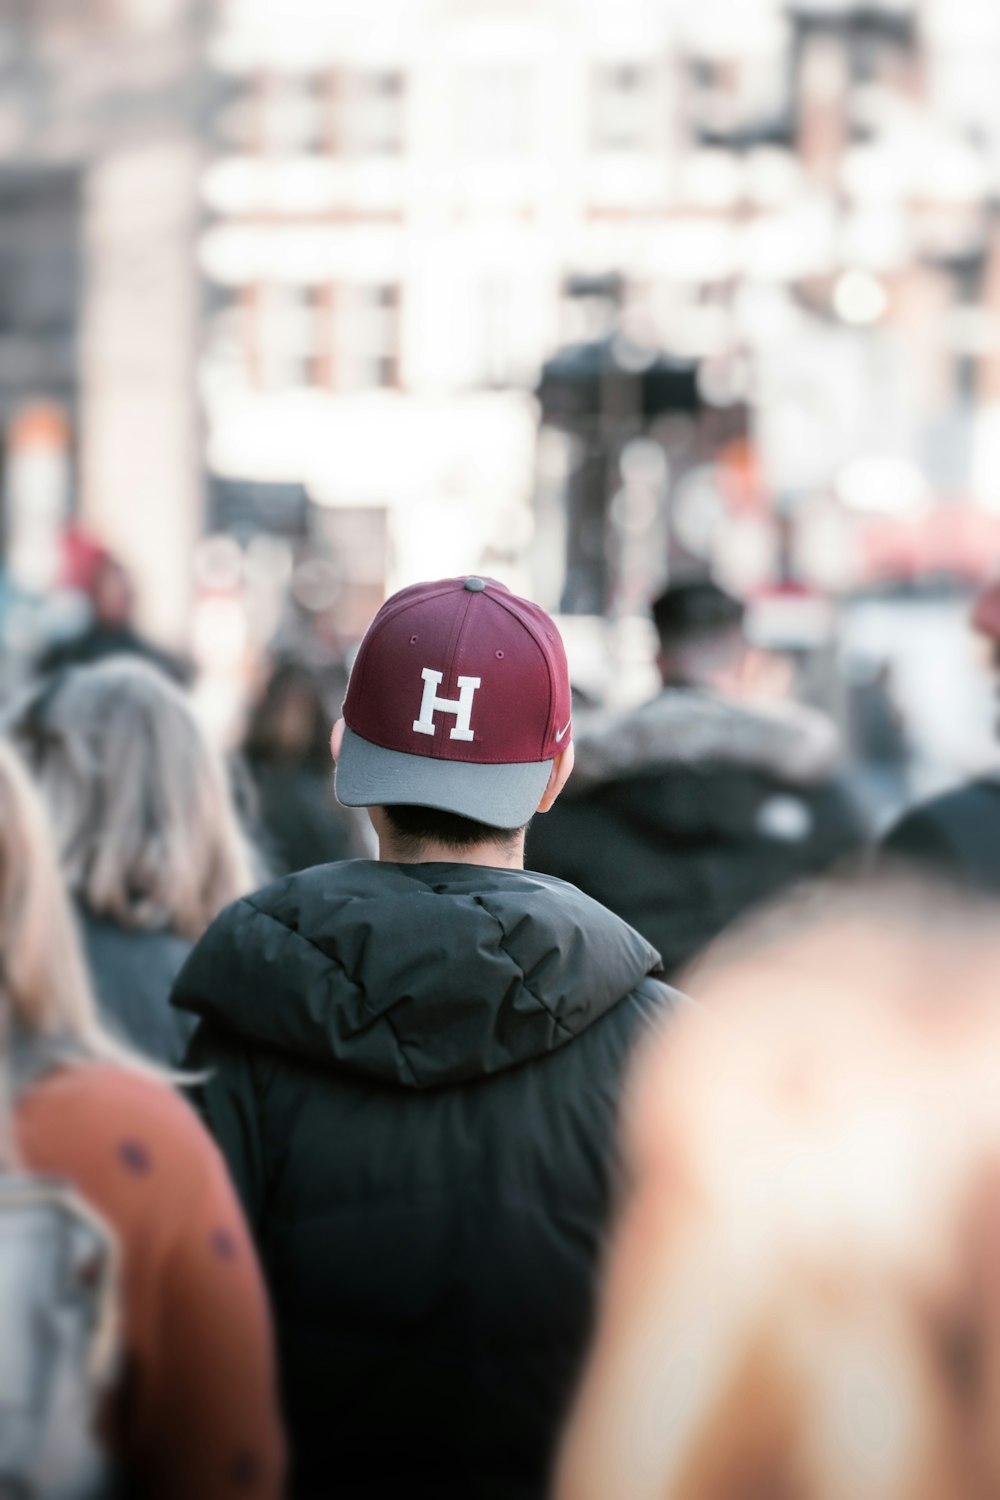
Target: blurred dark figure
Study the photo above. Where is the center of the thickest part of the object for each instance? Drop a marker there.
(880, 751)
(148, 839)
(877, 726)
(287, 749)
(111, 630)
(957, 834)
(802, 1295)
(683, 813)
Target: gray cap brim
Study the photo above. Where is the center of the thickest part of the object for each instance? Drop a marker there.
(500, 796)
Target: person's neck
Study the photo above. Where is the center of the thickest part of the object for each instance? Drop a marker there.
(502, 856)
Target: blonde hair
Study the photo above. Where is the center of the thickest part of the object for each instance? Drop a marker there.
(139, 800)
(43, 976)
(803, 1299)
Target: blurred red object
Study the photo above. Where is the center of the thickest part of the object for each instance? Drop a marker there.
(986, 611)
(82, 560)
(40, 425)
(953, 538)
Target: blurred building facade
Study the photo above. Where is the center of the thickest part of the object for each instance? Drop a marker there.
(304, 261)
(798, 196)
(100, 129)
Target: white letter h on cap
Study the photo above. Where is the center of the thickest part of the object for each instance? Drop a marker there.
(461, 706)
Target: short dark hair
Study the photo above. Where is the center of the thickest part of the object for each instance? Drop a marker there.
(693, 608)
(416, 826)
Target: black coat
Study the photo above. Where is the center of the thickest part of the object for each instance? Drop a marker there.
(132, 972)
(955, 836)
(99, 641)
(689, 812)
(415, 1076)
(302, 823)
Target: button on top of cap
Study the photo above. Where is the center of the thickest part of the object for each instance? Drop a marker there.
(475, 585)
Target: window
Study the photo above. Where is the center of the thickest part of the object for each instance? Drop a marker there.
(337, 336)
(736, 95)
(286, 337)
(292, 113)
(357, 348)
(621, 107)
(370, 331)
(371, 112)
(229, 341)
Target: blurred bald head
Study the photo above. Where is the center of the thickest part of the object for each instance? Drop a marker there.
(700, 632)
(804, 1293)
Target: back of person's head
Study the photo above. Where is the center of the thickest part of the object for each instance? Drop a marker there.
(44, 986)
(803, 1297)
(700, 631)
(415, 829)
(457, 717)
(139, 799)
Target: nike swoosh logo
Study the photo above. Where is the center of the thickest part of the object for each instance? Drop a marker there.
(561, 733)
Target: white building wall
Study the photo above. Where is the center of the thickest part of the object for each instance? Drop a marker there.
(140, 429)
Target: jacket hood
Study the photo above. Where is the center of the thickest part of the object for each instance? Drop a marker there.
(697, 729)
(414, 974)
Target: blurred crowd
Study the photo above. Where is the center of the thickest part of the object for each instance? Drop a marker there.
(527, 1035)
(647, 1147)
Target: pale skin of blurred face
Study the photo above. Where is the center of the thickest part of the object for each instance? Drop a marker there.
(812, 1233)
(500, 854)
(112, 595)
(726, 664)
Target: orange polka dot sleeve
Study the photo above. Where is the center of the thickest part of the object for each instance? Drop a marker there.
(197, 1416)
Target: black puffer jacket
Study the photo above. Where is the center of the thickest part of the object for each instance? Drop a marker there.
(955, 836)
(415, 1078)
(685, 813)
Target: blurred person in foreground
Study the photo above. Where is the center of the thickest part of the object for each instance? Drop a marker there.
(803, 1297)
(685, 812)
(957, 834)
(287, 749)
(193, 1413)
(413, 1068)
(150, 845)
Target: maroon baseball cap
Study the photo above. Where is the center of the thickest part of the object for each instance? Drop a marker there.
(459, 699)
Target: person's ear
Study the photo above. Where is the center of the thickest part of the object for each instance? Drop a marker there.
(335, 739)
(558, 777)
